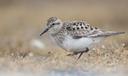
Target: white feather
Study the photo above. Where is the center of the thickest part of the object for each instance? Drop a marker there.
(79, 44)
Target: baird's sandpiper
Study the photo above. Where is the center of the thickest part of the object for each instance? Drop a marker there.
(75, 36)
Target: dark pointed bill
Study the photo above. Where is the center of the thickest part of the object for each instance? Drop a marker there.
(44, 31)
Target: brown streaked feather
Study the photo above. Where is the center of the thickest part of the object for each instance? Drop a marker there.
(78, 29)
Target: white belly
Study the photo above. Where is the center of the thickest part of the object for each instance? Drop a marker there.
(77, 44)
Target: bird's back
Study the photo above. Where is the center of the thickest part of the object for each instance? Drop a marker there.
(78, 29)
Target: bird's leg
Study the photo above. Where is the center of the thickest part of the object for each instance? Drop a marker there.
(81, 53)
(74, 53)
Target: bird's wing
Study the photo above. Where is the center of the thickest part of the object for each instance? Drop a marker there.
(78, 29)
(105, 34)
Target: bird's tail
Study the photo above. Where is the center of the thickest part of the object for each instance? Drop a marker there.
(105, 34)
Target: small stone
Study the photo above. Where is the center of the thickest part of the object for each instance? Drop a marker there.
(12, 54)
(103, 47)
(123, 44)
(30, 54)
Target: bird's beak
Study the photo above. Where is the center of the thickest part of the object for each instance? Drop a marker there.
(45, 31)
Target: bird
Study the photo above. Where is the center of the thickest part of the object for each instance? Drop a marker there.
(75, 36)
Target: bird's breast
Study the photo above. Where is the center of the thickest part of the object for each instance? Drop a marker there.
(76, 44)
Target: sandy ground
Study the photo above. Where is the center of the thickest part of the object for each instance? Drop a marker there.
(109, 58)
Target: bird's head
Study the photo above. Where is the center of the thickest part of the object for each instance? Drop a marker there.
(54, 24)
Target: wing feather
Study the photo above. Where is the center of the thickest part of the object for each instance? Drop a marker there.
(78, 29)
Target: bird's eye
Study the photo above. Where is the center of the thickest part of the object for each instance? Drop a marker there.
(53, 24)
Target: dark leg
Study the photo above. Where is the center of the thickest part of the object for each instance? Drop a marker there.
(74, 53)
(81, 53)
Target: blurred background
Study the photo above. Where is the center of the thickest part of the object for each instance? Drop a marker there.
(21, 22)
